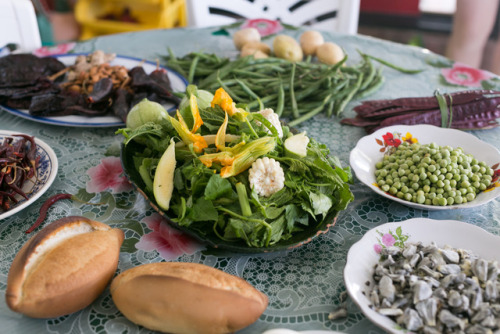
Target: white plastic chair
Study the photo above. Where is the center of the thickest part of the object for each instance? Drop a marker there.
(333, 15)
(18, 25)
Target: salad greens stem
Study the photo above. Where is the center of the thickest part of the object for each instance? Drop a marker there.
(252, 130)
(243, 198)
(252, 220)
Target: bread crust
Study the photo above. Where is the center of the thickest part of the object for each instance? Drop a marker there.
(180, 297)
(63, 268)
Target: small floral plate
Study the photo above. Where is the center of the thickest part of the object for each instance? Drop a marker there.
(363, 255)
(371, 149)
(46, 174)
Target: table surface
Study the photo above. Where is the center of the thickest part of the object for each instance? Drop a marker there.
(303, 285)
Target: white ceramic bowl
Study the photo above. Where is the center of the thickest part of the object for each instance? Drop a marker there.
(362, 256)
(368, 152)
(47, 171)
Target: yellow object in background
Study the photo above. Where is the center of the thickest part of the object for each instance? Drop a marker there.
(103, 17)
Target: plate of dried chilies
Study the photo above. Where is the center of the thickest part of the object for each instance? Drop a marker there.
(28, 168)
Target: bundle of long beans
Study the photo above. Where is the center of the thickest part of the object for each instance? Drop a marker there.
(295, 90)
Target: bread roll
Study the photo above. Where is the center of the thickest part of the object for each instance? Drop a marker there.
(180, 298)
(63, 268)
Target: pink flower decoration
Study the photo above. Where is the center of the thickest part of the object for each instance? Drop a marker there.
(463, 75)
(54, 50)
(377, 248)
(388, 239)
(168, 241)
(107, 175)
(264, 26)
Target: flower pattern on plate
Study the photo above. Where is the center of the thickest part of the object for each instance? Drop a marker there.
(391, 140)
(59, 49)
(463, 75)
(390, 239)
(265, 27)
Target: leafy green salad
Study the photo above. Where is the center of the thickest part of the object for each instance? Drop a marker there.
(218, 169)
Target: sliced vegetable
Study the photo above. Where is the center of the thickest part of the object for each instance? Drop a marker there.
(296, 146)
(163, 184)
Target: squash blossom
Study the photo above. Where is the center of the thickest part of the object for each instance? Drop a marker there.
(222, 99)
(197, 121)
(188, 137)
(240, 157)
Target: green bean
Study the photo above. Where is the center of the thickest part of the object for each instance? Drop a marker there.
(312, 113)
(281, 100)
(227, 89)
(353, 90)
(395, 67)
(192, 69)
(294, 89)
(251, 93)
(295, 110)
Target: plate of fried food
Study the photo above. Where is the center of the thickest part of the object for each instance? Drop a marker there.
(83, 90)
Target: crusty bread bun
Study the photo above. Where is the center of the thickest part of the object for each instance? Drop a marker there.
(180, 298)
(63, 268)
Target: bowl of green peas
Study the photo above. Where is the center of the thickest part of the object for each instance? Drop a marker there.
(428, 167)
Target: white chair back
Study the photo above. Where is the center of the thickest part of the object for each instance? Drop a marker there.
(18, 25)
(331, 15)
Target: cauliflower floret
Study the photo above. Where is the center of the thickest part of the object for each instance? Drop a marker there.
(273, 118)
(266, 176)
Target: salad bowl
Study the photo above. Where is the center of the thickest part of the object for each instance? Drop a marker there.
(210, 239)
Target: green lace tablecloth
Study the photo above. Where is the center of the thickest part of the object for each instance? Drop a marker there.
(304, 285)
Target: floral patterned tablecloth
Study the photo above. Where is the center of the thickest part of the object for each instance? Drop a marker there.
(303, 285)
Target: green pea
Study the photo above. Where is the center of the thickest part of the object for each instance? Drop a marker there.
(421, 199)
(470, 196)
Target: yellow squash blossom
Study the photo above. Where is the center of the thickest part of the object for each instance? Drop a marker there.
(222, 99)
(220, 138)
(240, 157)
(199, 143)
(197, 121)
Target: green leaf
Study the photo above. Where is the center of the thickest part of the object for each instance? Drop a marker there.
(217, 187)
(203, 210)
(294, 215)
(278, 228)
(321, 203)
(399, 231)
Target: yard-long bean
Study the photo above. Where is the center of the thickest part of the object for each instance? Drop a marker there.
(295, 90)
